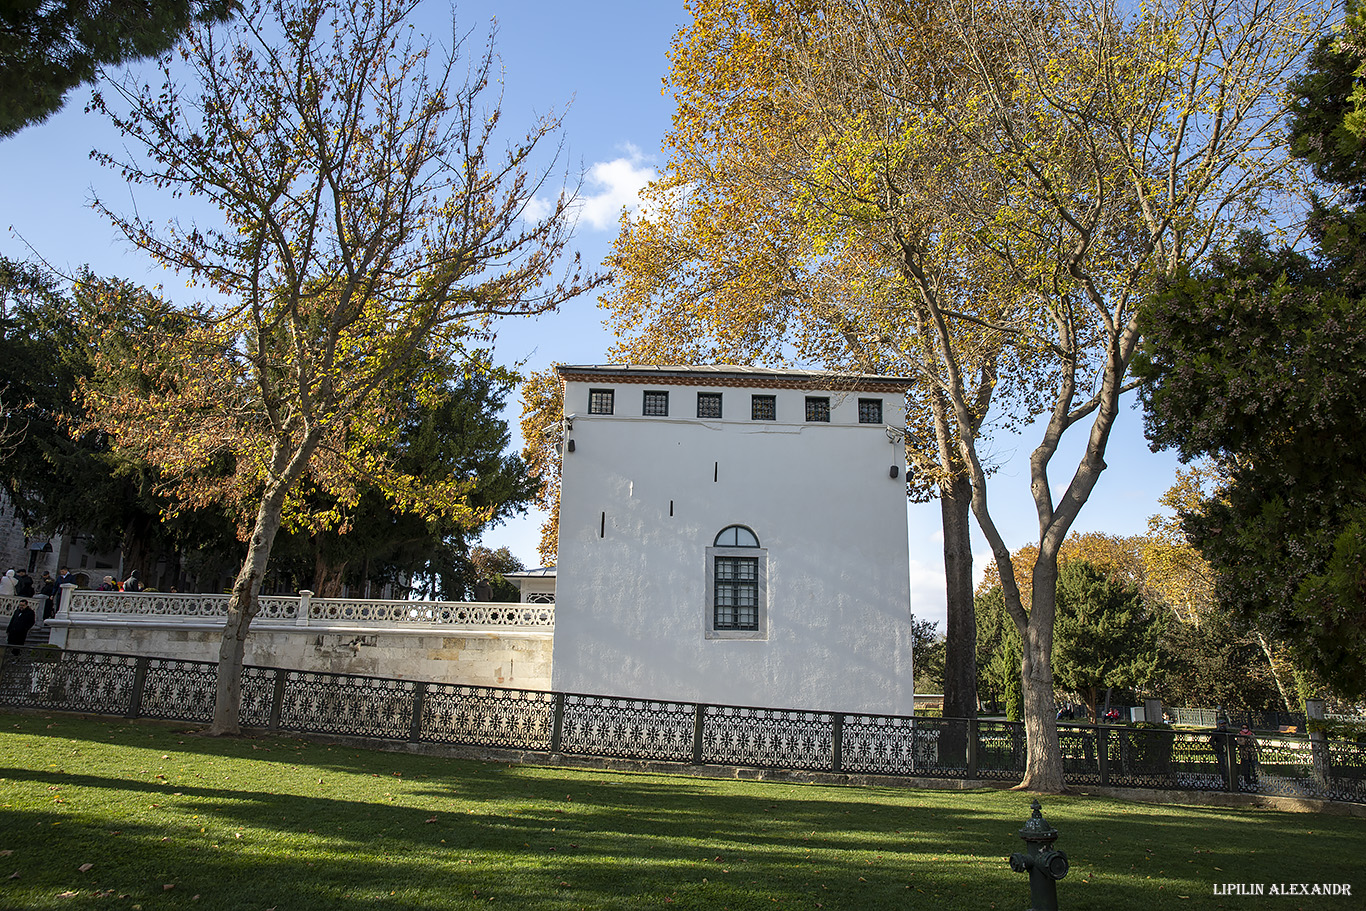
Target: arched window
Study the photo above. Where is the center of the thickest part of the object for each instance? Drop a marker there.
(736, 536)
(737, 585)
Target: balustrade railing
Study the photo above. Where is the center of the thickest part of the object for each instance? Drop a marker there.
(307, 608)
(656, 730)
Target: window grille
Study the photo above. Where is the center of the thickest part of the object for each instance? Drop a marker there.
(763, 408)
(870, 411)
(600, 401)
(656, 404)
(708, 404)
(818, 409)
(737, 593)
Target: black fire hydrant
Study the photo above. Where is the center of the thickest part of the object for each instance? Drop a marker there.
(1044, 865)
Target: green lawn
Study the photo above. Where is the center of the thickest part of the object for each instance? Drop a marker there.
(127, 815)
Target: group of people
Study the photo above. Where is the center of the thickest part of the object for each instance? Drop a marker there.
(131, 584)
(18, 583)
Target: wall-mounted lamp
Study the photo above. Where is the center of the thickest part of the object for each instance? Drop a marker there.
(895, 435)
(894, 472)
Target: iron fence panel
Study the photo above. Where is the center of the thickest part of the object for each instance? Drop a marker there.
(896, 745)
(628, 728)
(487, 716)
(343, 704)
(176, 690)
(1080, 758)
(258, 696)
(1282, 766)
(1195, 762)
(767, 738)
(69, 681)
(1000, 750)
(1346, 771)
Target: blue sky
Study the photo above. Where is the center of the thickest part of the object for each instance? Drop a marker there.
(605, 62)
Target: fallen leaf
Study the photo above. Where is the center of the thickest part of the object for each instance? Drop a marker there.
(168, 887)
(86, 868)
(67, 894)
(431, 819)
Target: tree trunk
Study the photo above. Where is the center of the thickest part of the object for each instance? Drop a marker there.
(1275, 672)
(243, 603)
(1043, 766)
(327, 576)
(960, 648)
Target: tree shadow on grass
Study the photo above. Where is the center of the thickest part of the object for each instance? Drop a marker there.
(539, 837)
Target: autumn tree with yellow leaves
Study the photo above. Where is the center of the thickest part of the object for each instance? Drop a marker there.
(372, 221)
(976, 194)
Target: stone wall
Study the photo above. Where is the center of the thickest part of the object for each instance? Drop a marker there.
(507, 658)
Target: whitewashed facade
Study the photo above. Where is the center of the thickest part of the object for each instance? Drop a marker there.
(732, 535)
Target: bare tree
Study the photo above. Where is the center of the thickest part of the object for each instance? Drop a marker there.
(372, 223)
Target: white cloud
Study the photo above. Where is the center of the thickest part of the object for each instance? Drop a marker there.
(612, 186)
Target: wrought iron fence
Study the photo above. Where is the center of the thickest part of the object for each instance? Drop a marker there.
(654, 730)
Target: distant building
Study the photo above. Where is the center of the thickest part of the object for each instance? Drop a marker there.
(20, 549)
(733, 535)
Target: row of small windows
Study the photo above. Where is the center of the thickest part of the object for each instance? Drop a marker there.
(761, 407)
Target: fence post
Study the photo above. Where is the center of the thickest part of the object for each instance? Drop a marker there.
(305, 605)
(697, 722)
(64, 596)
(1103, 753)
(1318, 740)
(557, 724)
(837, 743)
(419, 696)
(972, 746)
(277, 699)
(139, 681)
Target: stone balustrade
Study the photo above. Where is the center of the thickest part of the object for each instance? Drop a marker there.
(305, 608)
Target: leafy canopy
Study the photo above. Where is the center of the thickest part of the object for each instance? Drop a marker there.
(48, 48)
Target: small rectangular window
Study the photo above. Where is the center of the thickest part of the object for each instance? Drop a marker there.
(818, 409)
(737, 593)
(870, 411)
(763, 408)
(656, 404)
(600, 401)
(708, 404)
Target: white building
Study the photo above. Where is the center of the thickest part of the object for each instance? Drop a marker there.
(732, 535)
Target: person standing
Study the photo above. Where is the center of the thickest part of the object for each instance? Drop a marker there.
(47, 587)
(1247, 757)
(19, 624)
(133, 583)
(64, 577)
(23, 584)
(7, 583)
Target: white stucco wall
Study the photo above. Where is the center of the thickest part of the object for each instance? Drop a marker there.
(642, 500)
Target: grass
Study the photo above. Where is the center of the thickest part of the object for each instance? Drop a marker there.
(127, 815)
